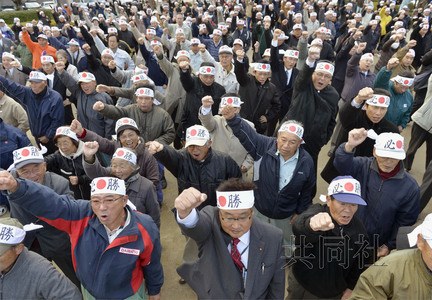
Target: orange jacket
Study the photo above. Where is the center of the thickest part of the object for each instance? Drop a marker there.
(37, 50)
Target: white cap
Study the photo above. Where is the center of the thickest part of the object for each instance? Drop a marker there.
(112, 30)
(401, 31)
(125, 123)
(262, 67)
(197, 135)
(379, 100)
(266, 52)
(399, 24)
(298, 15)
(73, 42)
(47, 59)
(108, 185)
(217, 32)
(238, 42)
(183, 53)
(231, 100)
(25, 156)
(42, 36)
(282, 36)
(125, 154)
(297, 26)
(37, 76)
(65, 131)
(235, 200)
(155, 43)
(151, 31)
(146, 92)
(195, 41)
(390, 145)
(107, 51)
(179, 31)
(225, 49)
(207, 70)
(313, 14)
(317, 42)
(86, 77)
(411, 52)
(425, 229)
(122, 22)
(325, 67)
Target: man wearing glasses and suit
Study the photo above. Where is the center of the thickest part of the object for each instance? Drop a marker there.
(241, 257)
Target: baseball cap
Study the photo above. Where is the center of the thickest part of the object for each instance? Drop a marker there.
(345, 189)
(238, 42)
(65, 131)
(183, 53)
(47, 59)
(391, 145)
(425, 229)
(225, 49)
(197, 135)
(37, 76)
(25, 156)
(107, 185)
(13, 233)
(126, 123)
(42, 36)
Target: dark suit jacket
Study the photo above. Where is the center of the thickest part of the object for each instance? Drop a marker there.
(214, 275)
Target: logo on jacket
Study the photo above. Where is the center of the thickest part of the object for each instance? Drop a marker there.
(129, 251)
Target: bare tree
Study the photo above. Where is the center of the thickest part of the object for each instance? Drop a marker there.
(18, 4)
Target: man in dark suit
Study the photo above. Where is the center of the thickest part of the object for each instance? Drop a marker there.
(241, 257)
(283, 73)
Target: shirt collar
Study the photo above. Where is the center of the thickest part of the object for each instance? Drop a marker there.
(295, 156)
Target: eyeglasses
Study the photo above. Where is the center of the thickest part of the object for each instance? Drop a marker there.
(107, 202)
(240, 219)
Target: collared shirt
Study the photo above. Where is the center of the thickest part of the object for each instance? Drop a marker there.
(195, 61)
(227, 79)
(112, 234)
(243, 246)
(286, 169)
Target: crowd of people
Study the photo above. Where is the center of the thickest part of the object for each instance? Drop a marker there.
(236, 99)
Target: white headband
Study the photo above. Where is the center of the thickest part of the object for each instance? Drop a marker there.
(405, 81)
(235, 200)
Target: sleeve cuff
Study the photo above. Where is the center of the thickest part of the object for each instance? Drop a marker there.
(355, 104)
(190, 221)
(205, 111)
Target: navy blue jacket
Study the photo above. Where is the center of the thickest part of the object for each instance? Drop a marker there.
(296, 196)
(45, 110)
(392, 203)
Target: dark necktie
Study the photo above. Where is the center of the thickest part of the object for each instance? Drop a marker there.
(235, 254)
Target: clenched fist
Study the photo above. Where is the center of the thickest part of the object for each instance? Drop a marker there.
(188, 200)
(321, 222)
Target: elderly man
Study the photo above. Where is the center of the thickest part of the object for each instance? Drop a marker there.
(315, 104)
(175, 44)
(222, 136)
(44, 106)
(404, 274)
(197, 165)
(323, 230)
(262, 103)
(401, 102)
(213, 45)
(225, 75)
(366, 110)
(77, 56)
(38, 278)
(140, 190)
(54, 245)
(84, 90)
(9, 71)
(196, 88)
(283, 74)
(283, 171)
(380, 176)
(241, 257)
(179, 18)
(114, 247)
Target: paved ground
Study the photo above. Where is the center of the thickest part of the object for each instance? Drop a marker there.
(173, 242)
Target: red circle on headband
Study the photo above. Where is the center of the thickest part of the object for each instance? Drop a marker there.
(222, 201)
(101, 184)
(292, 128)
(193, 132)
(399, 144)
(25, 152)
(120, 153)
(381, 100)
(229, 100)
